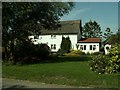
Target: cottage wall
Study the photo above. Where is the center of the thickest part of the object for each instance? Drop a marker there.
(54, 41)
(88, 47)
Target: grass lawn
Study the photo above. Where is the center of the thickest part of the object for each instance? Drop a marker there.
(73, 71)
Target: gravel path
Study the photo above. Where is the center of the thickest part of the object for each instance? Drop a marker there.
(13, 83)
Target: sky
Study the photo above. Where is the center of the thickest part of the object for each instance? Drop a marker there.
(104, 13)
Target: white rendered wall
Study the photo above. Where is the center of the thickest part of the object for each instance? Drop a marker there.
(57, 40)
(88, 47)
(107, 51)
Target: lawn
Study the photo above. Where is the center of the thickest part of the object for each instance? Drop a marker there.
(73, 71)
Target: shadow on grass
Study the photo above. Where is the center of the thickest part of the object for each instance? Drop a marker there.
(57, 59)
(68, 58)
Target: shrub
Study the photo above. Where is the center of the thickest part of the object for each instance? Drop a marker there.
(114, 61)
(101, 49)
(74, 53)
(60, 52)
(88, 53)
(99, 63)
(26, 53)
(96, 53)
(107, 63)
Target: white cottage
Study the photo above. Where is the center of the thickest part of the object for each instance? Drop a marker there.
(71, 29)
(53, 38)
(90, 45)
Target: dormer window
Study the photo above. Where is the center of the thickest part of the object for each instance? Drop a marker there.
(53, 36)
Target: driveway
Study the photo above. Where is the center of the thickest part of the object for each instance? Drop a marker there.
(13, 83)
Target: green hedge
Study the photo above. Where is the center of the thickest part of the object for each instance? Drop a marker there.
(107, 63)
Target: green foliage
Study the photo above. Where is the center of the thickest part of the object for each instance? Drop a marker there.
(65, 45)
(107, 33)
(21, 19)
(114, 39)
(88, 53)
(107, 63)
(74, 53)
(102, 50)
(72, 71)
(99, 63)
(114, 61)
(77, 46)
(91, 29)
(96, 53)
(28, 53)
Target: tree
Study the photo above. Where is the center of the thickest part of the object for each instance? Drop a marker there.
(114, 39)
(21, 19)
(68, 44)
(107, 33)
(91, 29)
(65, 45)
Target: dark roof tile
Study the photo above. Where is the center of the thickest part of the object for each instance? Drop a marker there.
(67, 27)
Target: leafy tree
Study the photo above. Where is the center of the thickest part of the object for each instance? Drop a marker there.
(21, 19)
(114, 39)
(65, 45)
(91, 29)
(107, 33)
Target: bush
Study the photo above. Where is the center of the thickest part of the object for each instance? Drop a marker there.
(96, 53)
(26, 53)
(99, 63)
(114, 61)
(101, 49)
(88, 53)
(60, 52)
(74, 53)
(106, 63)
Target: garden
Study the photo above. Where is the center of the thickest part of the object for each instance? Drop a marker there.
(23, 60)
(71, 71)
(67, 67)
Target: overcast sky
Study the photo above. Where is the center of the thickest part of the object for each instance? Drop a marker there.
(105, 13)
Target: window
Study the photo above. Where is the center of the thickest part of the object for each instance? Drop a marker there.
(90, 47)
(94, 47)
(84, 47)
(53, 46)
(53, 36)
(81, 47)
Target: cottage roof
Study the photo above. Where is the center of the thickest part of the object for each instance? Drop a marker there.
(67, 27)
(89, 40)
